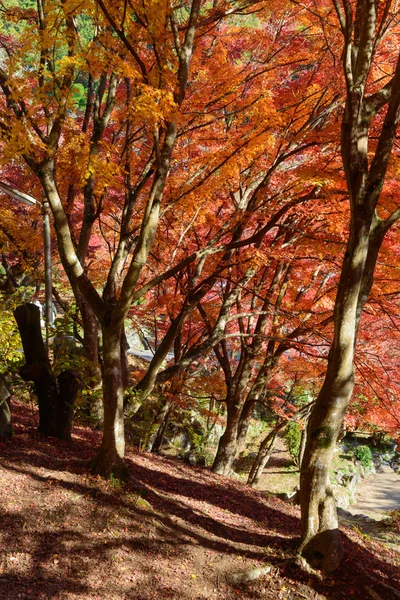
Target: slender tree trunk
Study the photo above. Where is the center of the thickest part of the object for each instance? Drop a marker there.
(158, 428)
(124, 359)
(92, 371)
(303, 442)
(264, 454)
(91, 340)
(110, 459)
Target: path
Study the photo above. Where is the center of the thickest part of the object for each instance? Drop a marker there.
(377, 495)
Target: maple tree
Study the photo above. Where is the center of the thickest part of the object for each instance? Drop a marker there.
(189, 153)
(369, 127)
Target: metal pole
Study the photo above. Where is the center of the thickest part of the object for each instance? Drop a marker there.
(47, 269)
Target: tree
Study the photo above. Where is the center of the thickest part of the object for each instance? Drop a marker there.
(134, 62)
(369, 127)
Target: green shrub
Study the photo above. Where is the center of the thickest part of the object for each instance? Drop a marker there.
(292, 439)
(11, 355)
(364, 455)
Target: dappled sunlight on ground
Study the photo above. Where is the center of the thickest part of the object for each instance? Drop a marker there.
(172, 532)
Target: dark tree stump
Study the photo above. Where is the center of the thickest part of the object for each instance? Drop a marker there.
(69, 384)
(5, 413)
(56, 402)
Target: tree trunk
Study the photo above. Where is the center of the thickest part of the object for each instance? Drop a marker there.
(110, 459)
(158, 425)
(263, 456)
(321, 543)
(158, 442)
(124, 359)
(90, 340)
(5, 413)
(228, 444)
(68, 388)
(303, 442)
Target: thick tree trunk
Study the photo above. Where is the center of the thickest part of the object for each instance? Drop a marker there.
(37, 365)
(5, 413)
(110, 459)
(321, 543)
(228, 444)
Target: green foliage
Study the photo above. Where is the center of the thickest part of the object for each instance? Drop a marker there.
(87, 402)
(139, 417)
(292, 439)
(11, 355)
(364, 455)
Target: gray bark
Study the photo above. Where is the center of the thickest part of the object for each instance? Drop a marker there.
(321, 543)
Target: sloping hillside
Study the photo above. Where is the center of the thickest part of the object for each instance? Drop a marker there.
(172, 532)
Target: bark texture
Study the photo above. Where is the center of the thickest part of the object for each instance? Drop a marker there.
(362, 32)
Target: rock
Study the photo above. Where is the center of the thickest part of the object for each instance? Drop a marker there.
(385, 468)
(350, 481)
(292, 497)
(339, 476)
(247, 575)
(353, 481)
(342, 498)
(395, 464)
(195, 460)
(324, 551)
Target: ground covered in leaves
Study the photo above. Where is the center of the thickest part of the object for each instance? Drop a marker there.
(172, 532)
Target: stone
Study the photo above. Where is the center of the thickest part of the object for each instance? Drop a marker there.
(338, 476)
(195, 460)
(354, 479)
(385, 468)
(342, 498)
(292, 497)
(248, 575)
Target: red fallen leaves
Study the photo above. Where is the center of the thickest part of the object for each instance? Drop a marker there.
(197, 524)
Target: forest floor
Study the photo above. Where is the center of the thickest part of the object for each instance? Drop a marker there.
(173, 531)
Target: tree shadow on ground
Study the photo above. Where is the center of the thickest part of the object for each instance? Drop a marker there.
(189, 509)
